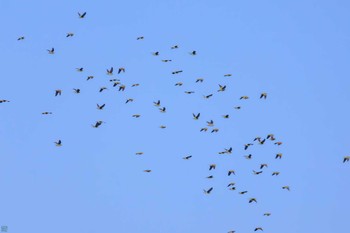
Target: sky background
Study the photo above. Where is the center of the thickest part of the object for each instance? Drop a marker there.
(296, 51)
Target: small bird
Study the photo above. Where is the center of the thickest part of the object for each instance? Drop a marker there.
(244, 97)
(257, 173)
(203, 129)
(139, 153)
(233, 188)
(252, 200)
(271, 137)
(231, 184)
(229, 151)
(275, 173)
(278, 156)
(100, 107)
(113, 80)
(263, 165)
(89, 77)
(177, 72)
(196, 117)
(286, 187)
(110, 71)
(194, 52)
(257, 139)
(267, 214)
(46, 113)
(97, 124)
(208, 191)
(102, 89)
(243, 192)
(76, 91)
(58, 92)
(4, 101)
(58, 143)
(237, 107)
(129, 100)
(70, 34)
(162, 110)
(81, 15)
(346, 159)
(258, 228)
(246, 146)
(187, 157)
(222, 88)
(179, 84)
(210, 123)
(136, 115)
(21, 38)
(162, 126)
(263, 95)
(215, 130)
(212, 166)
(51, 51)
(278, 143)
(140, 38)
(208, 96)
(210, 177)
(262, 141)
(166, 60)
(81, 69)
(189, 92)
(148, 171)
(116, 84)
(135, 85)
(121, 88)
(231, 232)
(248, 156)
(227, 75)
(121, 69)
(175, 47)
(199, 80)
(157, 104)
(231, 172)
(226, 116)
(155, 53)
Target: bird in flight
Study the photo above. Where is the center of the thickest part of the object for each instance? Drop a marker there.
(175, 47)
(97, 124)
(21, 38)
(4, 101)
(258, 228)
(81, 69)
(177, 72)
(189, 92)
(222, 88)
(51, 51)
(252, 200)
(286, 187)
(275, 173)
(227, 75)
(263, 165)
(243, 192)
(263, 95)
(58, 143)
(231, 172)
(199, 80)
(81, 15)
(210, 123)
(163, 109)
(210, 177)
(278, 156)
(203, 129)
(208, 96)
(179, 84)
(155, 53)
(244, 97)
(121, 69)
(89, 77)
(226, 116)
(100, 107)
(140, 38)
(246, 146)
(248, 156)
(76, 91)
(166, 60)
(69, 34)
(148, 171)
(212, 166)
(136, 115)
(196, 117)
(121, 88)
(46, 113)
(267, 214)
(215, 130)
(194, 52)
(157, 104)
(208, 191)
(129, 100)
(187, 157)
(346, 159)
(110, 71)
(278, 143)
(58, 92)
(102, 89)
(162, 126)
(231, 184)
(139, 153)
(257, 173)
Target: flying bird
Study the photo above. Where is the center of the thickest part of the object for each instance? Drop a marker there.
(70, 34)
(148, 171)
(121, 88)
(244, 97)
(246, 146)
(229, 151)
(187, 157)
(226, 116)
(157, 104)
(162, 126)
(243, 192)
(278, 143)
(81, 15)
(21, 38)
(121, 69)
(129, 100)
(179, 84)
(139, 153)
(210, 123)
(263, 165)
(177, 72)
(51, 51)
(136, 115)
(189, 92)
(163, 109)
(257, 173)
(89, 77)
(81, 69)
(102, 89)
(110, 71)
(278, 156)
(210, 177)
(196, 117)
(199, 80)
(140, 38)
(175, 47)
(346, 159)
(263, 95)
(215, 130)
(231, 172)
(227, 75)
(4, 101)
(258, 228)
(58, 92)
(58, 143)
(252, 200)
(231, 184)
(76, 91)
(135, 85)
(203, 129)
(208, 191)
(156, 53)
(286, 187)
(267, 214)
(166, 60)
(97, 124)
(208, 96)
(46, 113)
(222, 88)
(275, 173)
(212, 166)
(248, 156)
(100, 107)
(194, 52)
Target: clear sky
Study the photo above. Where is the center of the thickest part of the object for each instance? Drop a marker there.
(296, 51)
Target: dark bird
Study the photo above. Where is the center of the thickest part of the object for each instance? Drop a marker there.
(102, 89)
(51, 51)
(267, 214)
(139, 153)
(140, 38)
(135, 85)
(194, 52)
(97, 124)
(263, 165)
(148, 171)
(204, 129)
(166, 60)
(278, 156)
(199, 80)
(275, 173)
(263, 95)
(21, 38)
(231, 184)
(262, 141)
(226, 116)
(121, 88)
(286, 187)
(110, 71)
(210, 123)
(76, 91)
(271, 137)
(81, 15)
(177, 72)
(89, 77)
(257, 139)
(116, 84)
(215, 130)
(231, 172)
(346, 159)
(46, 113)
(129, 100)
(175, 47)
(210, 177)
(157, 104)
(136, 115)
(70, 34)
(257, 173)
(258, 228)
(179, 84)
(162, 126)
(212, 166)
(163, 109)
(246, 146)
(248, 156)
(233, 188)
(187, 157)
(189, 92)
(196, 117)
(222, 88)
(278, 143)
(227, 75)
(58, 143)
(229, 151)
(58, 92)
(208, 96)
(100, 107)
(243, 192)
(238, 107)
(252, 200)
(156, 53)
(244, 97)
(121, 69)
(81, 69)
(231, 232)
(208, 191)
(4, 101)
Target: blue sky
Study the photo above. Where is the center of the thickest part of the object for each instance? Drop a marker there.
(296, 51)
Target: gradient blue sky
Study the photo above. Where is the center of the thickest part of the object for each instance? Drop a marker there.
(296, 51)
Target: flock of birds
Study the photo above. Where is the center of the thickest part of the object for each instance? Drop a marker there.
(210, 124)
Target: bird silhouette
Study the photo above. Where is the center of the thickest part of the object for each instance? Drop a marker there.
(51, 51)
(208, 191)
(81, 15)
